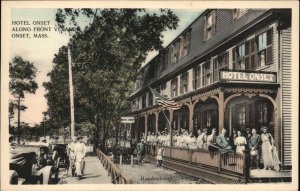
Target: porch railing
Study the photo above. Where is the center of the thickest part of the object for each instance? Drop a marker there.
(230, 163)
(117, 176)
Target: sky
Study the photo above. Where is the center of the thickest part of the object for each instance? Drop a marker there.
(40, 51)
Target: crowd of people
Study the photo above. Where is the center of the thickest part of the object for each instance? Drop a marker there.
(258, 145)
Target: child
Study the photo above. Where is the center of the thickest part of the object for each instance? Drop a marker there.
(159, 156)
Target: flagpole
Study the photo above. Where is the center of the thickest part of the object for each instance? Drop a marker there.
(167, 118)
(71, 94)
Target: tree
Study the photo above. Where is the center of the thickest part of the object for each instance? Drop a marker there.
(107, 54)
(22, 80)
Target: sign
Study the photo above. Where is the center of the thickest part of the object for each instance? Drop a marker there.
(248, 76)
(127, 120)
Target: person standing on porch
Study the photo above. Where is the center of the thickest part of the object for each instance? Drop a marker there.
(223, 142)
(267, 149)
(232, 139)
(202, 140)
(159, 156)
(240, 143)
(211, 139)
(253, 144)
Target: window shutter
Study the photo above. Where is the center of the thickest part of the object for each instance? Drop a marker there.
(181, 46)
(269, 51)
(233, 57)
(213, 23)
(173, 53)
(247, 55)
(205, 29)
(269, 58)
(189, 41)
(252, 61)
(226, 60)
(194, 78)
(270, 36)
(216, 69)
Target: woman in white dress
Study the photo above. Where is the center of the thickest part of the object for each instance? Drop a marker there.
(267, 149)
(80, 151)
(240, 143)
(159, 157)
(192, 143)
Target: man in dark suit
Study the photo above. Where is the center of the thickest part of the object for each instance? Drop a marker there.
(253, 144)
(223, 142)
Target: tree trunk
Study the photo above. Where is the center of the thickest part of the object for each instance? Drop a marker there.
(19, 113)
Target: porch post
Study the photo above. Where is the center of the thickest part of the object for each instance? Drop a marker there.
(221, 110)
(137, 129)
(171, 123)
(191, 114)
(156, 121)
(146, 127)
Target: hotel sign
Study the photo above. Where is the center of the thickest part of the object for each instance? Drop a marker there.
(248, 76)
(127, 120)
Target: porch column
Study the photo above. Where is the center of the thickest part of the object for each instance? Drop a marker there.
(156, 121)
(170, 126)
(230, 118)
(191, 117)
(137, 128)
(146, 127)
(221, 110)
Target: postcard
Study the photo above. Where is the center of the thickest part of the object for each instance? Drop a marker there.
(149, 95)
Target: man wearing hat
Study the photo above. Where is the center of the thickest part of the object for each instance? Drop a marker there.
(253, 144)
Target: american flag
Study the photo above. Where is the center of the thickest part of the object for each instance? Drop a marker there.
(164, 101)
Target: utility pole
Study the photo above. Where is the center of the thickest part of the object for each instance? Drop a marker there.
(71, 93)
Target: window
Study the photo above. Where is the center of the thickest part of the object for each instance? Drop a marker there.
(240, 55)
(237, 13)
(150, 99)
(208, 119)
(175, 51)
(264, 48)
(165, 60)
(206, 74)
(254, 53)
(186, 40)
(196, 77)
(220, 62)
(184, 83)
(174, 87)
(209, 25)
(262, 113)
(144, 101)
(242, 116)
(163, 89)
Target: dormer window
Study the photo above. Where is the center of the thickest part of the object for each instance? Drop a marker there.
(209, 25)
(185, 41)
(237, 13)
(175, 51)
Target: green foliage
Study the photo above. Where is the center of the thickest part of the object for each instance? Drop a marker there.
(22, 80)
(106, 54)
(22, 74)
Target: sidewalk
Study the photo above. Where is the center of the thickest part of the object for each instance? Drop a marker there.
(94, 173)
